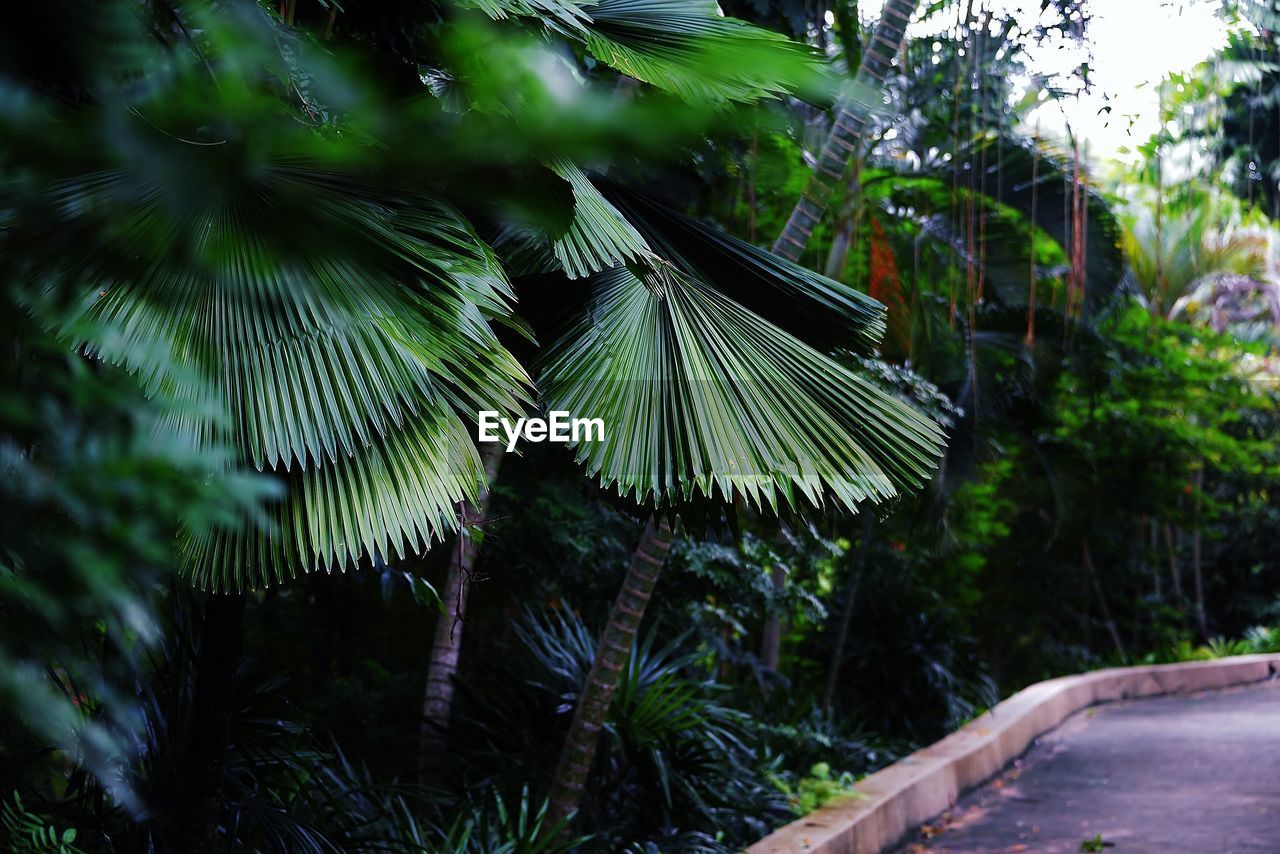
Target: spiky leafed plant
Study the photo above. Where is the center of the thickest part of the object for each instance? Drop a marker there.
(343, 310)
(671, 752)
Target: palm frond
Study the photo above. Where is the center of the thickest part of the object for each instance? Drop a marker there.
(343, 324)
(686, 47)
(823, 312)
(395, 499)
(589, 234)
(702, 397)
(598, 236)
(1174, 246)
(563, 15)
(1014, 180)
(324, 331)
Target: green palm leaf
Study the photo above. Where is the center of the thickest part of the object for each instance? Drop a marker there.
(611, 226)
(563, 15)
(313, 325)
(827, 314)
(689, 48)
(394, 499)
(686, 47)
(592, 236)
(704, 398)
(344, 326)
(598, 236)
(1173, 246)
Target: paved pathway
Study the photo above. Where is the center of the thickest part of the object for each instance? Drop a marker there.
(1198, 774)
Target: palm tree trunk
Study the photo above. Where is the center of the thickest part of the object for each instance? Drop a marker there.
(1148, 524)
(446, 647)
(845, 139)
(841, 244)
(842, 637)
(210, 736)
(1197, 570)
(846, 225)
(1202, 619)
(1175, 572)
(615, 645)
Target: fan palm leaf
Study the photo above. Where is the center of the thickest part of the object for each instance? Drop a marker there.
(686, 47)
(689, 48)
(598, 236)
(705, 398)
(395, 499)
(344, 326)
(826, 313)
(705, 358)
(611, 226)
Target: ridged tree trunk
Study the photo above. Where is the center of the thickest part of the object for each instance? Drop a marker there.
(446, 647)
(210, 736)
(845, 139)
(846, 225)
(580, 744)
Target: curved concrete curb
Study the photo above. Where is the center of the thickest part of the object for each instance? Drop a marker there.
(915, 789)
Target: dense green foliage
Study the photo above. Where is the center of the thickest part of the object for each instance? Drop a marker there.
(264, 263)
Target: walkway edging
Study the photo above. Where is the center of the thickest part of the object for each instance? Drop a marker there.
(921, 786)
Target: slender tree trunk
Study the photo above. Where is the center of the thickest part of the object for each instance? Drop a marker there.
(845, 140)
(1202, 619)
(842, 638)
(1112, 629)
(580, 744)
(446, 647)
(1197, 570)
(841, 244)
(771, 636)
(1148, 525)
(846, 615)
(210, 736)
(1174, 571)
(846, 226)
